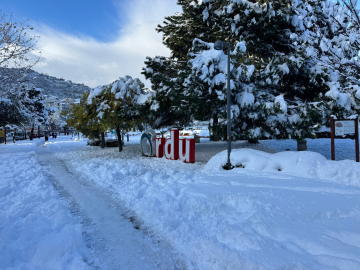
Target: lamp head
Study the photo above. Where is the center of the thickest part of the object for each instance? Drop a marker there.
(218, 45)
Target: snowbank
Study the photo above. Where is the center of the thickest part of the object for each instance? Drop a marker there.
(304, 164)
(65, 143)
(220, 219)
(36, 228)
(344, 148)
(19, 146)
(133, 133)
(203, 133)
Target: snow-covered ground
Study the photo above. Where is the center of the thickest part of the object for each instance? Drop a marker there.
(344, 148)
(289, 210)
(99, 232)
(37, 230)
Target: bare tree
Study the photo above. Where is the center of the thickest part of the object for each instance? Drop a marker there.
(56, 120)
(18, 44)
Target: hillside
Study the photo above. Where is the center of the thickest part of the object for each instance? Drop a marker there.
(51, 85)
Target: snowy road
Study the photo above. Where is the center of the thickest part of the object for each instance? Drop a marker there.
(115, 241)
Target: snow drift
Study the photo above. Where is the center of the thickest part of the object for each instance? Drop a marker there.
(304, 164)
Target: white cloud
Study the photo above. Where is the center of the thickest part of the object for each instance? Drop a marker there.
(89, 61)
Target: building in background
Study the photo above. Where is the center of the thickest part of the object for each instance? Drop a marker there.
(59, 104)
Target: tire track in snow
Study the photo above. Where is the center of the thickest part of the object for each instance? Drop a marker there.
(115, 242)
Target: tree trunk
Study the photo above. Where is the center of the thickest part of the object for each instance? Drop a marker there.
(39, 131)
(4, 134)
(25, 133)
(119, 138)
(255, 141)
(215, 136)
(102, 140)
(301, 145)
(32, 133)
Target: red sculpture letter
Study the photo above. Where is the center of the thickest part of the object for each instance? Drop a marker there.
(187, 150)
(160, 142)
(172, 145)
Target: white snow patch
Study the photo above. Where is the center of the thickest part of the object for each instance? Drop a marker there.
(37, 230)
(303, 164)
(281, 102)
(259, 218)
(246, 99)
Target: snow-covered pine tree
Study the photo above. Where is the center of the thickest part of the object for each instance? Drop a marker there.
(288, 91)
(169, 105)
(10, 113)
(338, 36)
(29, 103)
(206, 85)
(32, 102)
(181, 29)
(336, 48)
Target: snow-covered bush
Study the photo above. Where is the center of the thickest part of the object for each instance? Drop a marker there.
(116, 106)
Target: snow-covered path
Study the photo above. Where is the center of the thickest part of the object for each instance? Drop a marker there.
(113, 238)
(288, 210)
(239, 219)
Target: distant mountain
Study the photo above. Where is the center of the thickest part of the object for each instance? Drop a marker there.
(50, 85)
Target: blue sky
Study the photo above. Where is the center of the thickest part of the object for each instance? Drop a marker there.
(94, 41)
(98, 19)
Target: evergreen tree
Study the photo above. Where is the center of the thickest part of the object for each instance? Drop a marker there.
(169, 105)
(281, 86)
(338, 35)
(31, 101)
(206, 84)
(10, 113)
(26, 106)
(181, 29)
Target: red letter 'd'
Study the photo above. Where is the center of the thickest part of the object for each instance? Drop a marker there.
(172, 145)
(160, 142)
(189, 155)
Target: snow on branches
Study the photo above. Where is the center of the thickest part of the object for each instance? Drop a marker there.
(118, 105)
(297, 62)
(24, 105)
(121, 95)
(16, 43)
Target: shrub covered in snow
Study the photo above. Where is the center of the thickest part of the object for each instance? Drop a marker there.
(303, 164)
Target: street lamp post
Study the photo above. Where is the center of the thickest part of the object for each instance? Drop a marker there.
(219, 45)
